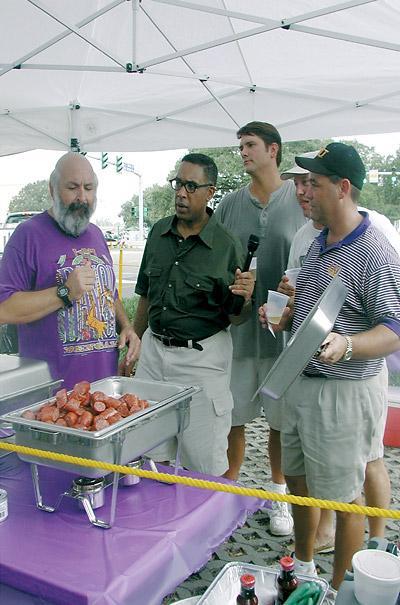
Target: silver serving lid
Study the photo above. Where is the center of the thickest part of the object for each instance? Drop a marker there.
(20, 375)
(306, 341)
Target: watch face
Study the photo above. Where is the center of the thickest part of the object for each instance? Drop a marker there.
(63, 291)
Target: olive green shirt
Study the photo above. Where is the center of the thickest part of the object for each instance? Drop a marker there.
(186, 280)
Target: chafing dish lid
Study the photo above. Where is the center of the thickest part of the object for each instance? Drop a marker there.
(20, 374)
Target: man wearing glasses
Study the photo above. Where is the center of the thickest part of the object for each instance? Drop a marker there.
(190, 285)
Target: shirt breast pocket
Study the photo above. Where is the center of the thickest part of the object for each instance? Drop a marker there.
(198, 292)
(153, 275)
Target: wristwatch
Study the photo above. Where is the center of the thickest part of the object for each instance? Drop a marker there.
(349, 349)
(62, 293)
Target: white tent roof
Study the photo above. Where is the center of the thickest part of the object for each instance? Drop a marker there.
(143, 75)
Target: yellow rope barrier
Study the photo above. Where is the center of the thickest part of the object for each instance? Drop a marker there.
(202, 484)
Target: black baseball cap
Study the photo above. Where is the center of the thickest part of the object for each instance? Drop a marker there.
(336, 159)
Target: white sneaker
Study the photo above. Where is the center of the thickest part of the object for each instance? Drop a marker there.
(281, 521)
(330, 597)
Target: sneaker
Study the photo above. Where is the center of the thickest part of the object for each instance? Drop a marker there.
(308, 569)
(281, 521)
(330, 597)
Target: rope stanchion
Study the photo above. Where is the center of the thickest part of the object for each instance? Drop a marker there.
(203, 484)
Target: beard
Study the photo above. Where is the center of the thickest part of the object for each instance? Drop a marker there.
(72, 219)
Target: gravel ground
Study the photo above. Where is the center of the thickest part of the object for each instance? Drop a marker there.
(253, 543)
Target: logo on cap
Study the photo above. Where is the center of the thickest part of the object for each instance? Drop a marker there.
(322, 152)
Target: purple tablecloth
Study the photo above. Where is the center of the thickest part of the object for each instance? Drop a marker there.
(161, 535)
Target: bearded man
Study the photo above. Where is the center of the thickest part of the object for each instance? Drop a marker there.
(58, 285)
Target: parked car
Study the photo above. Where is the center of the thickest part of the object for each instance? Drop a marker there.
(111, 239)
(12, 221)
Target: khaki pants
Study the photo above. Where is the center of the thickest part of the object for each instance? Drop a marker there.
(205, 441)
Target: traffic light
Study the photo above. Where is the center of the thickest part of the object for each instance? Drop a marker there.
(145, 210)
(118, 163)
(133, 212)
(104, 159)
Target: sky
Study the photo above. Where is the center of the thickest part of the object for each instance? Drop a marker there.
(18, 170)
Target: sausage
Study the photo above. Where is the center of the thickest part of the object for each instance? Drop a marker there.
(98, 396)
(82, 387)
(100, 423)
(83, 410)
(99, 406)
(72, 405)
(114, 418)
(108, 413)
(129, 399)
(123, 410)
(29, 415)
(71, 418)
(61, 422)
(111, 402)
(61, 398)
(86, 419)
(48, 413)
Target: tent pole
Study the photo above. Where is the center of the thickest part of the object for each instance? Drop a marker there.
(135, 11)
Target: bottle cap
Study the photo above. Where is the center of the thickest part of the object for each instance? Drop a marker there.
(287, 563)
(248, 580)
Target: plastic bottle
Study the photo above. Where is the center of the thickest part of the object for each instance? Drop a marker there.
(247, 594)
(286, 581)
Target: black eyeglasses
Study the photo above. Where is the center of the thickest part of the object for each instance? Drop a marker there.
(190, 186)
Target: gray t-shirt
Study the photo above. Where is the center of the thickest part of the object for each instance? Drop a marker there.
(275, 224)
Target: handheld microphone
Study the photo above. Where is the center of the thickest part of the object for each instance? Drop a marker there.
(252, 246)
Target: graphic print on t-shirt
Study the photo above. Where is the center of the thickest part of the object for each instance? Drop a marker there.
(89, 325)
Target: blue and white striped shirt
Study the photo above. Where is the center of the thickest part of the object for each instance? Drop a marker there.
(370, 268)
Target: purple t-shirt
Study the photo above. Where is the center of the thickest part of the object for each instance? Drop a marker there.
(79, 343)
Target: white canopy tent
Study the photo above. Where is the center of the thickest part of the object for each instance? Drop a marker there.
(142, 75)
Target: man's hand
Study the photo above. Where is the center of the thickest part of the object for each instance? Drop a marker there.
(333, 348)
(129, 338)
(281, 326)
(243, 284)
(285, 288)
(80, 281)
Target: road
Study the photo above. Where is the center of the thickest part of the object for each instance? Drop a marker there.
(130, 267)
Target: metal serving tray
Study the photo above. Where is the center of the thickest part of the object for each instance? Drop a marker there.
(226, 586)
(120, 443)
(305, 342)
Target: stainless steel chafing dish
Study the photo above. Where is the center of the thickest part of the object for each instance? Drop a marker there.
(167, 416)
(120, 443)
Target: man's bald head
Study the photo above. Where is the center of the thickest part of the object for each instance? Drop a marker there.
(71, 162)
(73, 186)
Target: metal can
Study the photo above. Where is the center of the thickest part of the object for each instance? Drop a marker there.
(128, 480)
(3, 505)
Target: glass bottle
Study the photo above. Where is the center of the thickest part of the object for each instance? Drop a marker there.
(286, 581)
(247, 594)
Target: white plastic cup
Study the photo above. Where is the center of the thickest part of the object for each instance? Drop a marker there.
(275, 305)
(376, 577)
(292, 274)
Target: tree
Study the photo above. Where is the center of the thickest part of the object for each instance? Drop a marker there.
(231, 175)
(159, 201)
(293, 148)
(130, 222)
(34, 196)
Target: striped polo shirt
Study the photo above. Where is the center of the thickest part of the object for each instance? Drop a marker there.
(370, 268)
